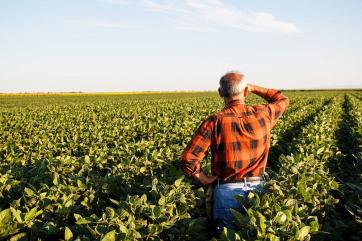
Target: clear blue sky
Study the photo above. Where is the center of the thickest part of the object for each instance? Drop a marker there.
(134, 45)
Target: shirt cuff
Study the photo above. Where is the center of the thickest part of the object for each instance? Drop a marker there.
(191, 169)
(198, 170)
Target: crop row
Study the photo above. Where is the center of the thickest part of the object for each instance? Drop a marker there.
(346, 219)
(289, 128)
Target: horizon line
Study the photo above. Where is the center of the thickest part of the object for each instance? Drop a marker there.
(163, 91)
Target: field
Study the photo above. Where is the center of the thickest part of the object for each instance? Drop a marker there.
(107, 167)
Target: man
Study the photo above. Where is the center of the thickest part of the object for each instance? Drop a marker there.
(239, 139)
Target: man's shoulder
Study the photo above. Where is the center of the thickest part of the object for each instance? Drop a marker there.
(258, 108)
(213, 117)
(210, 118)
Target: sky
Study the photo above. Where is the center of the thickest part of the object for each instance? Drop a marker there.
(167, 45)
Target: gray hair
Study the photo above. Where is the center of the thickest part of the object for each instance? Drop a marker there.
(232, 83)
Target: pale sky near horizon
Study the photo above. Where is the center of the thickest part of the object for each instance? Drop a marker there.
(138, 45)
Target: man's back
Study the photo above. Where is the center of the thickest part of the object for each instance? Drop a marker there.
(239, 138)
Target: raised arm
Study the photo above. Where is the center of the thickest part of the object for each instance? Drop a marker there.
(277, 101)
(258, 90)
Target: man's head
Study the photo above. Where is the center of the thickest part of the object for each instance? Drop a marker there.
(233, 85)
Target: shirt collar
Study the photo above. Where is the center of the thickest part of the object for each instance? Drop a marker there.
(233, 103)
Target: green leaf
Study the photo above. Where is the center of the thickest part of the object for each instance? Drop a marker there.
(290, 202)
(335, 185)
(122, 228)
(110, 236)
(320, 150)
(272, 237)
(314, 226)
(114, 201)
(33, 213)
(19, 237)
(83, 221)
(56, 179)
(87, 159)
(68, 235)
(77, 216)
(29, 192)
(280, 217)
(162, 200)
(153, 229)
(144, 198)
(229, 235)
(16, 214)
(261, 222)
(178, 182)
(303, 232)
(156, 211)
(251, 195)
(241, 219)
(81, 184)
(110, 212)
(5, 216)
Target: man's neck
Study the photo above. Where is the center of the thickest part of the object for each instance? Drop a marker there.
(229, 101)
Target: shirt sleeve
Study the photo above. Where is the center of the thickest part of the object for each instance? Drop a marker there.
(197, 147)
(277, 105)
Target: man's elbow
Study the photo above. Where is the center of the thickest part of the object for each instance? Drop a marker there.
(286, 101)
(283, 99)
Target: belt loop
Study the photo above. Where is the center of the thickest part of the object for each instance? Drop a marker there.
(217, 182)
(244, 181)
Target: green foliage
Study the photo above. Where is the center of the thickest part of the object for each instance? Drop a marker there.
(108, 168)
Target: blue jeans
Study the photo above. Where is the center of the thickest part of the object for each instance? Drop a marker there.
(224, 199)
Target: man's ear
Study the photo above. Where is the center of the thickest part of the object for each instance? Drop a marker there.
(246, 91)
(220, 93)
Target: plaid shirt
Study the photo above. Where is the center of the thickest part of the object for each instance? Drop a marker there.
(239, 139)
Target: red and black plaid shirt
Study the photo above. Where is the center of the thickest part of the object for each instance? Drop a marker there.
(239, 139)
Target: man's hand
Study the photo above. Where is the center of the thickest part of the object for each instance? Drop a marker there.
(250, 87)
(205, 180)
(258, 90)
